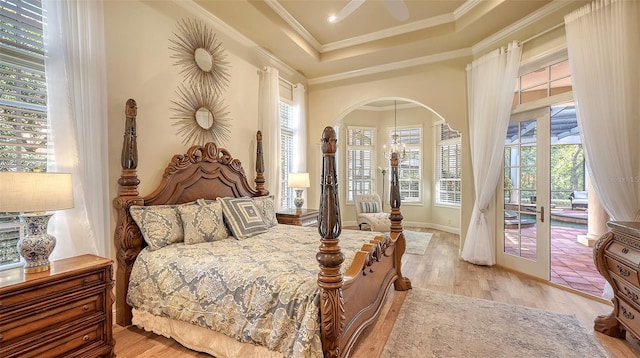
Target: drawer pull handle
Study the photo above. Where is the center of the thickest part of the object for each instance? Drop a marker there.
(1, 337)
(624, 272)
(625, 250)
(86, 308)
(626, 314)
(85, 281)
(632, 296)
(85, 338)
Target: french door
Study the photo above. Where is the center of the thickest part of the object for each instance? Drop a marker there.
(523, 221)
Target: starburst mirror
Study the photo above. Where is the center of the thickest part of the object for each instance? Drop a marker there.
(201, 55)
(201, 116)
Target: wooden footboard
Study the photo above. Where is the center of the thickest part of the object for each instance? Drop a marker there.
(351, 301)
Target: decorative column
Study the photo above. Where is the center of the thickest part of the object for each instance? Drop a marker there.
(597, 219)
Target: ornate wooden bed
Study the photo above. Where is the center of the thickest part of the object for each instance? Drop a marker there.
(350, 298)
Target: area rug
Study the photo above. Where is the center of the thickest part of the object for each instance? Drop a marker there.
(417, 242)
(436, 324)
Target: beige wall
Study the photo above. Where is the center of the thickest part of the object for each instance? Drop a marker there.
(139, 66)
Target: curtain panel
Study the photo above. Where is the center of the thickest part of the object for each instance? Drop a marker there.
(269, 107)
(300, 132)
(603, 42)
(490, 83)
(77, 113)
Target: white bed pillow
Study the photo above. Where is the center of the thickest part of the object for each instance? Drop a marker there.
(203, 222)
(266, 206)
(242, 217)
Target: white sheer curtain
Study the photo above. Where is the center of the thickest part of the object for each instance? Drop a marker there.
(269, 103)
(300, 136)
(76, 87)
(299, 164)
(603, 41)
(491, 80)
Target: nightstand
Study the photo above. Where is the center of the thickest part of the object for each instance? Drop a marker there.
(65, 311)
(302, 217)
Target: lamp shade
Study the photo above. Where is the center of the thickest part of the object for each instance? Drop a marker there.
(298, 180)
(34, 192)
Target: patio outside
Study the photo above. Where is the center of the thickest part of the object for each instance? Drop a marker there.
(571, 261)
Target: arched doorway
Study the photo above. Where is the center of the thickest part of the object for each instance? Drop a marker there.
(365, 134)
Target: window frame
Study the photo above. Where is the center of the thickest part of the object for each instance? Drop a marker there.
(24, 127)
(442, 145)
(286, 157)
(403, 168)
(366, 182)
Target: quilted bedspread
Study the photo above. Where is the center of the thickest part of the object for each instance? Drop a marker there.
(261, 290)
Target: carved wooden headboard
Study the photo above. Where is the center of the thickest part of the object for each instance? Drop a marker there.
(205, 171)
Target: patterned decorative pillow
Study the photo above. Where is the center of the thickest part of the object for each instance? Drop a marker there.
(160, 224)
(203, 222)
(369, 207)
(242, 217)
(266, 206)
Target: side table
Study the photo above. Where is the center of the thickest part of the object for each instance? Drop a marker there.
(301, 217)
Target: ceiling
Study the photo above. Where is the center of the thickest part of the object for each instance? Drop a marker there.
(370, 40)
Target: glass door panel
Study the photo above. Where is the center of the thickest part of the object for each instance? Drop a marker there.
(524, 236)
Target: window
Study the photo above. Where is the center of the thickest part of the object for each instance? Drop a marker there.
(286, 151)
(360, 161)
(409, 168)
(23, 104)
(543, 82)
(449, 162)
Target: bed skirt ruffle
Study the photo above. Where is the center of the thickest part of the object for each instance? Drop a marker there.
(199, 338)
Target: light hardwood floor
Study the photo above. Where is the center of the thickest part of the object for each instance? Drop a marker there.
(439, 269)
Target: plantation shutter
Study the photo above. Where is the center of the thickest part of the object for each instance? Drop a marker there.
(286, 150)
(23, 104)
(23, 96)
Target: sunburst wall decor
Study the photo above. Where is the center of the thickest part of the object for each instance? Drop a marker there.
(201, 116)
(202, 57)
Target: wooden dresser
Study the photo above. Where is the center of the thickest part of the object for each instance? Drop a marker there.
(302, 217)
(65, 311)
(617, 257)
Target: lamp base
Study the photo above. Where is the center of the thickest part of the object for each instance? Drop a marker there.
(298, 201)
(36, 244)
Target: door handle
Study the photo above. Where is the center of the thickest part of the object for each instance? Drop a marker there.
(541, 212)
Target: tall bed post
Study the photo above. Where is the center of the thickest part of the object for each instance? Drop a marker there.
(401, 283)
(260, 166)
(330, 258)
(127, 236)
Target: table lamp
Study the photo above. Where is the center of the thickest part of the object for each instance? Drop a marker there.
(298, 181)
(33, 194)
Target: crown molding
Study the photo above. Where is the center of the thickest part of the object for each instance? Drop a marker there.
(390, 32)
(266, 57)
(465, 8)
(297, 27)
(443, 56)
(374, 36)
(519, 25)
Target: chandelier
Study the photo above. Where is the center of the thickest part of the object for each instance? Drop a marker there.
(395, 146)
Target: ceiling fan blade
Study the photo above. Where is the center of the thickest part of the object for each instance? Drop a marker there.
(397, 8)
(347, 10)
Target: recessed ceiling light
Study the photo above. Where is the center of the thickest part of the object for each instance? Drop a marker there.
(332, 18)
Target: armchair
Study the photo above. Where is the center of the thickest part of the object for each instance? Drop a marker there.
(369, 212)
(579, 199)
